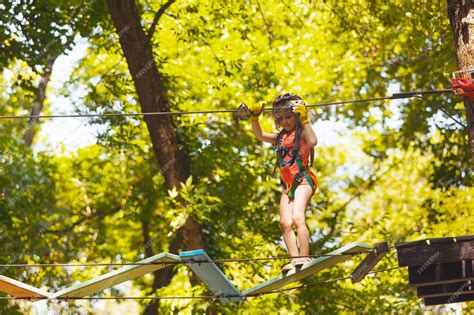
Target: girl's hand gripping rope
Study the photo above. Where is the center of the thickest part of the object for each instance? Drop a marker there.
(302, 112)
(255, 111)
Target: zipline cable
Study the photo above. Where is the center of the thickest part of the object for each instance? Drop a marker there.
(206, 297)
(450, 116)
(176, 262)
(394, 96)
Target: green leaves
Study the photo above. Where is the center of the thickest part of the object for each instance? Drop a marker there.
(198, 202)
(401, 172)
(35, 30)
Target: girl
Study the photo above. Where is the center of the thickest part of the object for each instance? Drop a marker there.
(293, 143)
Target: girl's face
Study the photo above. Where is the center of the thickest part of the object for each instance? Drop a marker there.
(286, 119)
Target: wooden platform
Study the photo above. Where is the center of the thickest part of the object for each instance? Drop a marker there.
(211, 275)
(199, 262)
(442, 269)
(21, 290)
(115, 277)
(308, 269)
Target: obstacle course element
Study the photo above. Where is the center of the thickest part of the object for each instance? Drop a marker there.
(463, 83)
(369, 262)
(116, 277)
(21, 290)
(223, 289)
(442, 269)
(211, 275)
(308, 269)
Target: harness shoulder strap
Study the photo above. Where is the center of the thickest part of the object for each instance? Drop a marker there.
(277, 149)
(296, 143)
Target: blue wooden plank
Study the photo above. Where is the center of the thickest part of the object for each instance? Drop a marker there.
(308, 269)
(118, 276)
(211, 275)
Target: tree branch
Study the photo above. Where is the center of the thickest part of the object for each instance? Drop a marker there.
(38, 101)
(157, 18)
(267, 26)
(83, 219)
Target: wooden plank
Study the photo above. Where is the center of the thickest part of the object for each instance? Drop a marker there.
(416, 253)
(433, 283)
(211, 275)
(434, 295)
(465, 238)
(464, 287)
(21, 290)
(436, 240)
(308, 269)
(449, 299)
(369, 262)
(437, 274)
(115, 277)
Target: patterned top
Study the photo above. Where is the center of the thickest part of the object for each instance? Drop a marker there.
(289, 172)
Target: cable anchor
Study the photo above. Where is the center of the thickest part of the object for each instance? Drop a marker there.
(463, 83)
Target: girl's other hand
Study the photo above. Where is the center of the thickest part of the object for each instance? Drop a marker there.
(255, 111)
(303, 113)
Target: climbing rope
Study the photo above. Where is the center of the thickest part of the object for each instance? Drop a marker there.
(394, 96)
(251, 259)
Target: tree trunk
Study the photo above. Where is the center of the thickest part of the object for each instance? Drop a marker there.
(152, 96)
(38, 102)
(461, 15)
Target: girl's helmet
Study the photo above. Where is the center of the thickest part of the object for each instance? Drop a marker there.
(285, 102)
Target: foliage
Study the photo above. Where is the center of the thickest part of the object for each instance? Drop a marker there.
(402, 171)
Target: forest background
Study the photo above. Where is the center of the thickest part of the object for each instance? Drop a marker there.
(398, 170)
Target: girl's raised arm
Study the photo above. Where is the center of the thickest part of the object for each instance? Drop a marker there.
(255, 111)
(310, 135)
(308, 131)
(263, 136)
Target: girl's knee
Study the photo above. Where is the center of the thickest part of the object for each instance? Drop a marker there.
(299, 221)
(285, 225)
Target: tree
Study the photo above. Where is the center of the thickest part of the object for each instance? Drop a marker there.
(461, 16)
(153, 97)
(400, 174)
(33, 33)
(38, 101)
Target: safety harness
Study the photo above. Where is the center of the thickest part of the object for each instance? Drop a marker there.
(294, 153)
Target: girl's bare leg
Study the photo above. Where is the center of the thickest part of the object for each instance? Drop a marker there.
(286, 221)
(302, 196)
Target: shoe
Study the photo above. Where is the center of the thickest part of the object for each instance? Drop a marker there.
(287, 267)
(301, 261)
